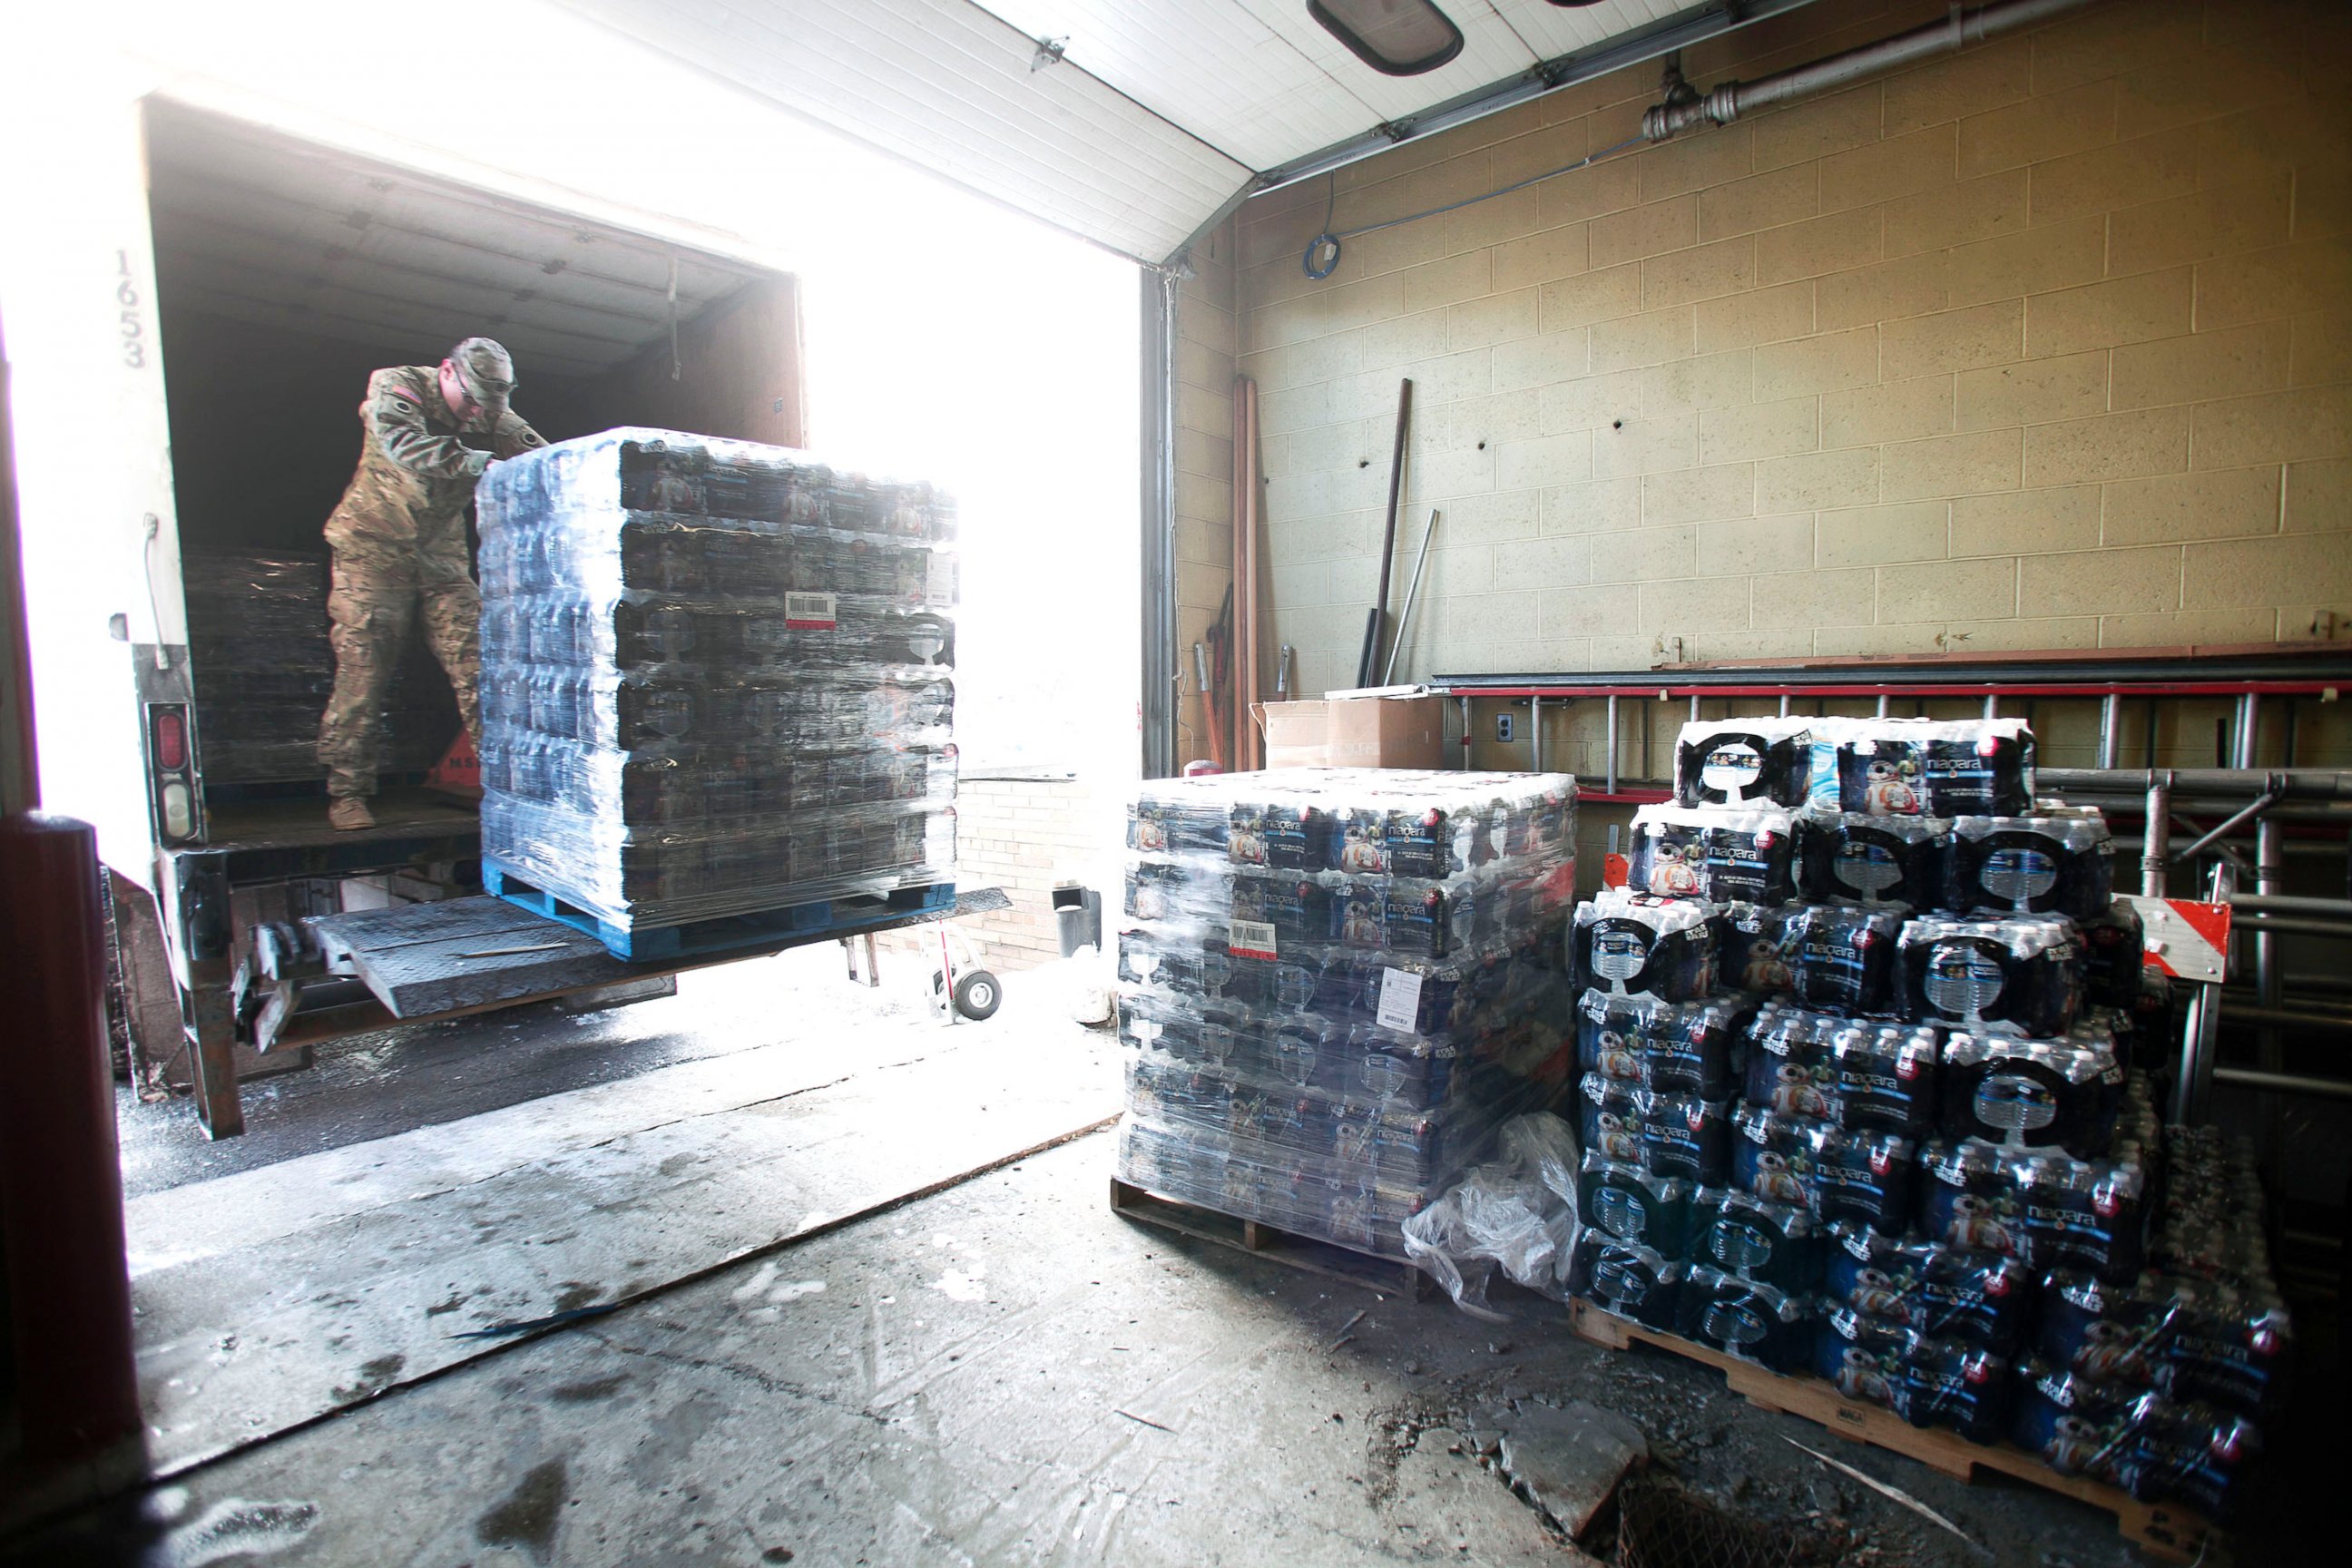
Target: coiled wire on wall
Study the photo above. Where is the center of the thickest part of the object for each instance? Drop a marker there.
(1322, 255)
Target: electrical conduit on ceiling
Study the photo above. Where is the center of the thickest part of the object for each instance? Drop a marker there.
(1685, 108)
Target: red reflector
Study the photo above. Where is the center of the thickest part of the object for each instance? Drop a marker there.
(170, 741)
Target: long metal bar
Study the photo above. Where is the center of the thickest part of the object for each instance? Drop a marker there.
(2191, 1090)
(1162, 672)
(2302, 783)
(1611, 750)
(1404, 615)
(1465, 734)
(2249, 726)
(2111, 730)
(2243, 1011)
(2288, 1083)
(2290, 904)
(2153, 862)
(1535, 732)
(2245, 814)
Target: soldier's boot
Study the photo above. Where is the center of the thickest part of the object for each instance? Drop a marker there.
(351, 813)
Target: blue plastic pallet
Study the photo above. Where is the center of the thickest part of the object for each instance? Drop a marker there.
(789, 926)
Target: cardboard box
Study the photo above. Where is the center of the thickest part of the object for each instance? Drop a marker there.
(1405, 730)
(1294, 733)
(1384, 732)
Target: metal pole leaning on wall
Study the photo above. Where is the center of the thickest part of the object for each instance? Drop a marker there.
(2154, 864)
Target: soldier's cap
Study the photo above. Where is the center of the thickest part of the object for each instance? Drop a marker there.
(486, 372)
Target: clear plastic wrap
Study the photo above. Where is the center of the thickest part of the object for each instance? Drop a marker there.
(717, 677)
(1863, 1076)
(264, 669)
(1632, 944)
(1339, 984)
(1984, 1298)
(1747, 1319)
(1926, 1379)
(1516, 1213)
(2019, 974)
(1715, 854)
(1846, 857)
(2032, 865)
(2038, 1094)
(1922, 767)
(1744, 761)
(1843, 958)
(1774, 1244)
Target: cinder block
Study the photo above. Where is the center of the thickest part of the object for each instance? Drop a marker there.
(1881, 535)
(1630, 342)
(1496, 319)
(2319, 497)
(2259, 285)
(1883, 292)
(1483, 422)
(1951, 464)
(1947, 591)
(1852, 641)
(2025, 521)
(2110, 40)
(2100, 582)
(2322, 349)
(1597, 296)
(2251, 358)
(2253, 573)
(2176, 508)
(1546, 461)
(1834, 244)
(1583, 612)
(1700, 272)
(1952, 340)
(2221, 626)
(1829, 362)
(1647, 554)
(1758, 202)
(1697, 495)
(1563, 562)
(1607, 507)
(2243, 216)
(1957, 214)
(1759, 316)
(1691, 606)
(1542, 257)
(1449, 282)
(1494, 222)
(2111, 447)
(1650, 230)
(1759, 430)
(1645, 446)
(2033, 391)
(1817, 480)
(1805, 131)
(2040, 634)
(1898, 166)
(1611, 185)
(1746, 545)
(2275, 427)
(1694, 160)
(1591, 401)
(1813, 599)
(2201, 85)
(1702, 382)
(1897, 411)
(2056, 256)
(2104, 315)
(2038, 130)
(2105, 178)
(1537, 362)
(1967, 83)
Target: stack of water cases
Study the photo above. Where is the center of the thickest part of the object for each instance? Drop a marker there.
(1859, 1099)
(258, 644)
(1337, 984)
(717, 677)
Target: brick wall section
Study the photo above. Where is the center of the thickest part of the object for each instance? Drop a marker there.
(1026, 837)
(2043, 345)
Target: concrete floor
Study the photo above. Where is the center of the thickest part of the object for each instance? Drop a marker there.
(1002, 1372)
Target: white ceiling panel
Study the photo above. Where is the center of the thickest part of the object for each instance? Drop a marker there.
(1159, 113)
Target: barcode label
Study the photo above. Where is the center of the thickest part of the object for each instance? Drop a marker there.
(809, 611)
(1250, 939)
(941, 587)
(1400, 1007)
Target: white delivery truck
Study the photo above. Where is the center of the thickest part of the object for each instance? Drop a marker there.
(188, 349)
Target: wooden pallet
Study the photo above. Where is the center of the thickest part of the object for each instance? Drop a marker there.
(2173, 1533)
(817, 921)
(1373, 1271)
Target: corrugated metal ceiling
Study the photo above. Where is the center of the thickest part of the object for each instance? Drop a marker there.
(1157, 115)
(263, 228)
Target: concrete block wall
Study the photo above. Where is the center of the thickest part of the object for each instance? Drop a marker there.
(1026, 835)
(2047, 345)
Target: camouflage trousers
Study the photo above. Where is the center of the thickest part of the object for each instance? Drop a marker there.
(369, 607)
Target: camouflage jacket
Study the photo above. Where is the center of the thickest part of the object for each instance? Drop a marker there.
(407, 499)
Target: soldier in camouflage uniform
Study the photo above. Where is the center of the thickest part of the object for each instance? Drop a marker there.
(399, 537)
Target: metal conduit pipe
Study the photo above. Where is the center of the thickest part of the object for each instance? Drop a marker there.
(2292, 925)
(1727, 101)
(2291, 1083)
(2238, 784)
(2288, 904)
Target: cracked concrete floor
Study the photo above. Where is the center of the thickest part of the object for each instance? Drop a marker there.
(1006, 1372)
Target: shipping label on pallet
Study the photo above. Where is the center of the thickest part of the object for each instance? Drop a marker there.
(2187, 939)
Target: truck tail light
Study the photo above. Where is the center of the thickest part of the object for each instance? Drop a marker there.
(172, 773)
(171, 740)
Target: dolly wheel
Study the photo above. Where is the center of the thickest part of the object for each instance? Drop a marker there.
(978, 993)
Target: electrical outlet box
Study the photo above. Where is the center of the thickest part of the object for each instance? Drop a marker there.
(1506, 727)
